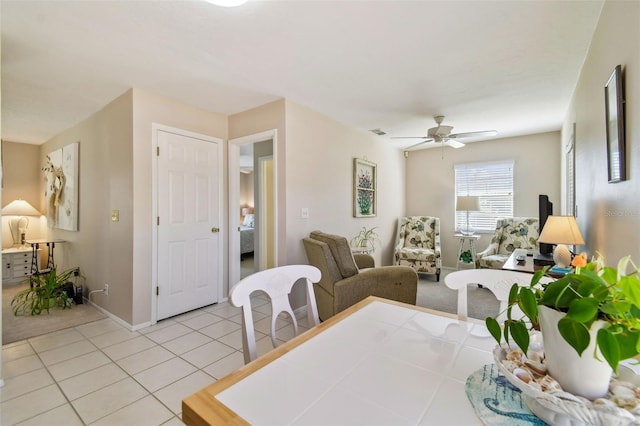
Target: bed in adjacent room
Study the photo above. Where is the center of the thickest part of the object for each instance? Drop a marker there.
(246, 235)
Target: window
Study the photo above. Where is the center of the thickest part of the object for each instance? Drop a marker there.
(492, 182)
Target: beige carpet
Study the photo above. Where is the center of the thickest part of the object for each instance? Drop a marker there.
(432, 294)
(15, 328)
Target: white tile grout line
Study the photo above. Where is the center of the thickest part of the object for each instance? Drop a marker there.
(69, 402)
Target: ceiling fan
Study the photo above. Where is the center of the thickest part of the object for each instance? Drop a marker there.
(442, 134)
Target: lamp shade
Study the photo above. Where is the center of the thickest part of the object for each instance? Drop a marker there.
(561, 230)
(20, 208)
(467, 203)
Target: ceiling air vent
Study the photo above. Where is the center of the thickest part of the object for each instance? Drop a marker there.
(378, 132)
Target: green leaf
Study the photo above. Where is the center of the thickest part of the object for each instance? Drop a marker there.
(609, 275)
(583, 310)
(520, 334)
(630, 288)
(627, 343)
(537, 275)
(616, 308)
(593, 288)
(528, 304)
(558, 294)
(494, 328)
(513, 294)
(575, 334)
(608, 345)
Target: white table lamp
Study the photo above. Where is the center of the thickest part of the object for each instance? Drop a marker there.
(561, 230)
(18, 224)
(466, 204)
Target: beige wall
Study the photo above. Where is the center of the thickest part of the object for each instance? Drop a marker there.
(149, 109)
(430, 180)
(116, 173)
(101, 248)
(21, 181)
(320, 154)
(608, 213)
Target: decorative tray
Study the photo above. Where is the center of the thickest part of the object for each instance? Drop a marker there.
(550, 403)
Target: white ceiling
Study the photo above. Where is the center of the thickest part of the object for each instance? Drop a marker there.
(504, 65)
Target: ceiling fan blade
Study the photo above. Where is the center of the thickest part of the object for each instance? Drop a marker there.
(418, 144)
(473, 134)
(454, 144)
(410, 137)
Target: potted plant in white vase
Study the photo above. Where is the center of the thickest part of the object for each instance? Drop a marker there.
(366, 239)
(589, 320)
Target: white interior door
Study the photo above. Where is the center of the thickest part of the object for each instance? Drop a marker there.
(189, 239)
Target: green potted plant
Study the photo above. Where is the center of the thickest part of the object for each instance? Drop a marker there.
(366, 239)
(45, 291)
(589, 320)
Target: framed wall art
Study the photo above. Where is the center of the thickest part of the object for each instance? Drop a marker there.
(61, 190)
(364, 188)
(614, 107)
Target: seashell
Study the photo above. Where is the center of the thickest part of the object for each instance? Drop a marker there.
(549, 384)
(510, 365)
(535, 355)
(514, 355)
(603, 402)
(535, 385)
(536, 367)
(623, 390)
(523, 375)
(626, 403)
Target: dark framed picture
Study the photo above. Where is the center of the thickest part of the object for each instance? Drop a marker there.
(614, 107)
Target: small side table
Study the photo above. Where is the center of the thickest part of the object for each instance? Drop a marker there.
(35, 247)
(471, 240)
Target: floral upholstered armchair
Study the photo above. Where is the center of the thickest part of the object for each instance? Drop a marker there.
(511, 234)
(418, 244)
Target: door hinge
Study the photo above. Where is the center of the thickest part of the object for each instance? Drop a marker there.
(157, 290)
(157, 151)
(158, 220)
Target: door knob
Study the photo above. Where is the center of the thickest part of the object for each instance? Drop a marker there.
(214, 230)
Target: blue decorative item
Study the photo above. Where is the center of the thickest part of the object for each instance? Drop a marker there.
(496, 401)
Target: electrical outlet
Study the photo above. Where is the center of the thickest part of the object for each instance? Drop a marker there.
(106, 289)
(76, 272)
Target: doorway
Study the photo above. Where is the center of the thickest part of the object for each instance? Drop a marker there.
(252, 205)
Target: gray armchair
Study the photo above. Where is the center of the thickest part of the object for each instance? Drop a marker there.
(347, 278)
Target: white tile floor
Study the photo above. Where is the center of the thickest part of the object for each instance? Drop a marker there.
(103, 374)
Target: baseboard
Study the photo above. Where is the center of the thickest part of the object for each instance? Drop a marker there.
(117, 319)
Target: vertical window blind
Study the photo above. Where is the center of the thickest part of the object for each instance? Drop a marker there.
(492, 183)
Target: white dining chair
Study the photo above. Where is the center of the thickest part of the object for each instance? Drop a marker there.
(498, 281)
(277, 284)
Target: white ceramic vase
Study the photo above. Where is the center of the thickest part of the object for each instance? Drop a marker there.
(580, 375)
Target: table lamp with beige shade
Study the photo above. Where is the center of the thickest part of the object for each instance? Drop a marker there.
(561, 231)
(18, 212)
(467, 203)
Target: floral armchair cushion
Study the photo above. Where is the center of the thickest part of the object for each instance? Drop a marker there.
(418, 244)
(511, 234)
